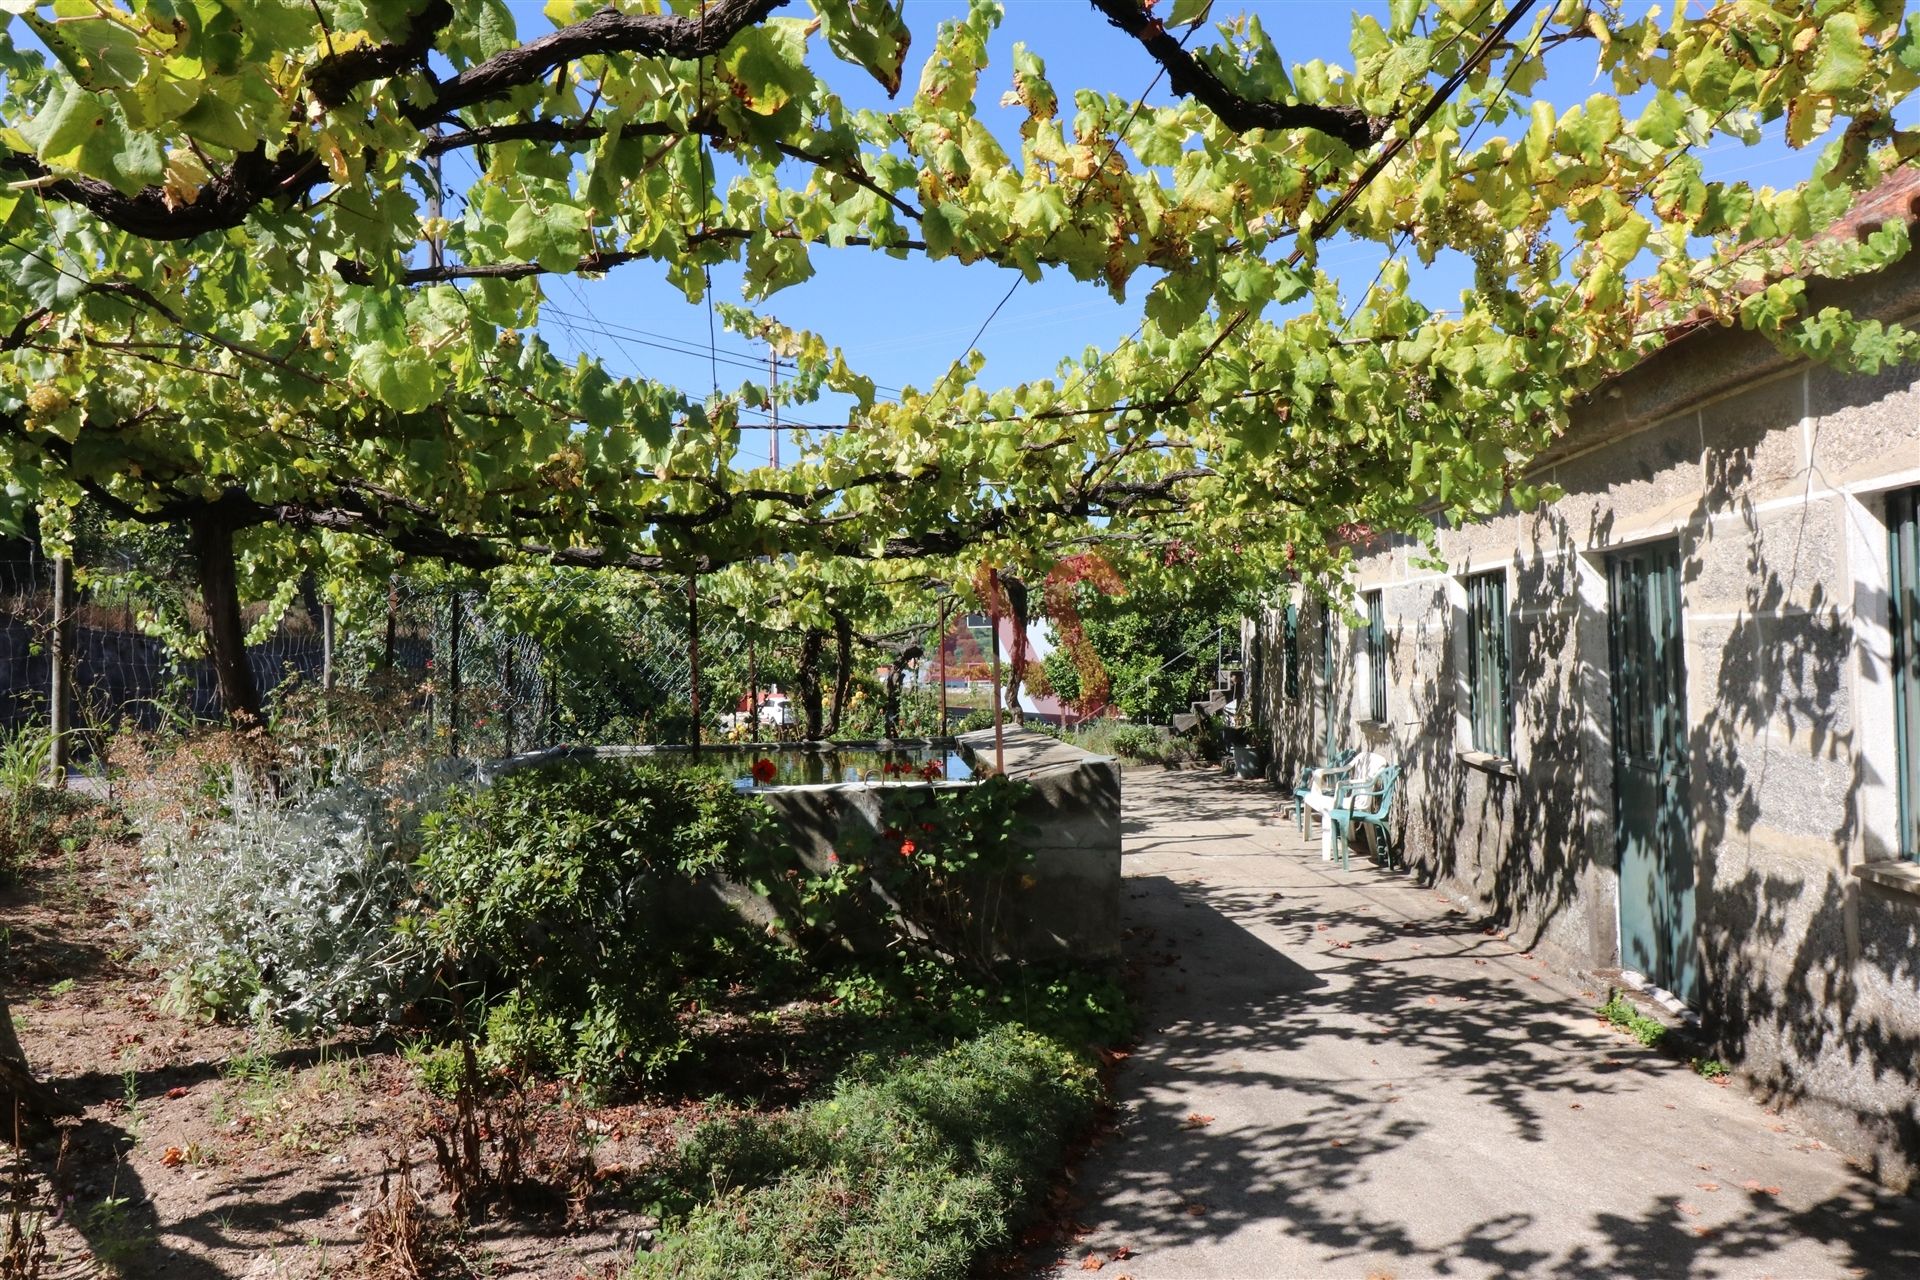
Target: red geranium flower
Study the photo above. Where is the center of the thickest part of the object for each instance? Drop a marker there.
(765, 771)
(931, 770)
(833, 859)
(906, 848)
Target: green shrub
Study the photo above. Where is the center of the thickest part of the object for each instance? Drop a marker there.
(978, 718)
(563, 901)
(1621, 1012)
(911, 1171)
(440, 1068)
(1135, 742)
(33, 818)
(938, 876)
(1069, 1002)
(282, 902)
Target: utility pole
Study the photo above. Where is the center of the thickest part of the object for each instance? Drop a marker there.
(436, 250)
(773, 407)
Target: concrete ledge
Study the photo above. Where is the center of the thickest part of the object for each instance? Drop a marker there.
(1901, 877)
(1073, 907)
(1485, 762)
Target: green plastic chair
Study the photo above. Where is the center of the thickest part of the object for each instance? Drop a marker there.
(1338, 760)
(1380, 789)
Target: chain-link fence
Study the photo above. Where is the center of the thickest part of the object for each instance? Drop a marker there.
(476, 673)
(122, 673)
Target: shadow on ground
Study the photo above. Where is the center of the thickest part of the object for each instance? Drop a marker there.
(1354, 1025)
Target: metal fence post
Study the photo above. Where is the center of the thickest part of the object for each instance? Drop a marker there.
(326, 646)
(453, 675)
(693, 654)
(60, 692)
(508, 695)
(999, 715)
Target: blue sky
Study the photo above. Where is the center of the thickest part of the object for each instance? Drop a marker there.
(903, 322)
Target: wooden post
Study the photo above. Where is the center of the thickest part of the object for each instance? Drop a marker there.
(999, 714)
(60, 691)
(693, 654)
(453, 675)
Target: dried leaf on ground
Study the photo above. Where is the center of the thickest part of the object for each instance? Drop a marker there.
(1195, 1120)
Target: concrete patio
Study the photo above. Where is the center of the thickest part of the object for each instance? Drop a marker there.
(1343, 1074)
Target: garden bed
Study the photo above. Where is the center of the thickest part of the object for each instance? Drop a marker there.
(1071, 908)
(207, 1148)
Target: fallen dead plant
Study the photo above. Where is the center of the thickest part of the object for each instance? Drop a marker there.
(398, 1232)
(23, 1242)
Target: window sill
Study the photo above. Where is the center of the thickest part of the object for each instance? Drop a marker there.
(1901, 877)
(1374, 728)
(1498, 766)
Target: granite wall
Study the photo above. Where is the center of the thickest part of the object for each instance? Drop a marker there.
(1771, 477)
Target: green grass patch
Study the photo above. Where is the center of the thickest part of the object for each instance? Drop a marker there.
(1621, 1012)
(913, 1168)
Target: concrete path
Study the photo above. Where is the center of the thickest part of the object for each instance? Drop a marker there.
(1340, 1074)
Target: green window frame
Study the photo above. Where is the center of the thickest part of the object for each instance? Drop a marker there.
(1488, 671)
(1903, 620)
(1290, 649)
(1376, 658)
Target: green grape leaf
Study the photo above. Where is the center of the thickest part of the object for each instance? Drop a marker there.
(1841, 62)
(868, 33)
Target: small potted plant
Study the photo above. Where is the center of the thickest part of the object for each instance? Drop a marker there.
(1245, 755)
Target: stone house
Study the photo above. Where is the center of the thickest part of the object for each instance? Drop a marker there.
(1669, 723)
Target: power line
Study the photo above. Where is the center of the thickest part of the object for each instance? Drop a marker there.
(1373, 169)
(667, 341)
(1328, 224)
(1400, 237)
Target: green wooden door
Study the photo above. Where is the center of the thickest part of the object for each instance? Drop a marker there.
(1653, 833)
(1903, 527)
